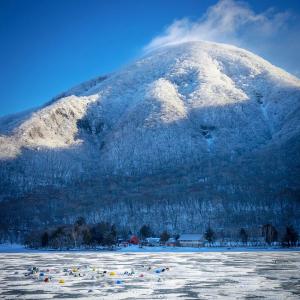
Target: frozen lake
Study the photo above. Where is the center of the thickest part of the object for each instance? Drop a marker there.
(208, 275)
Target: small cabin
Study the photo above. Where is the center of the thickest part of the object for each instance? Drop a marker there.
(191, 240)
(171, 242)
(134, 240)
(152, 241)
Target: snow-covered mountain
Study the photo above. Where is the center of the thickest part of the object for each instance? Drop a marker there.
(199, 121)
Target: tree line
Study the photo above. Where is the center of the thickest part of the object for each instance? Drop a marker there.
(80, 234)
(269, 234)
(83, 235)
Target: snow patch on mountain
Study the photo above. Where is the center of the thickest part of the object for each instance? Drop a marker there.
(174, 102)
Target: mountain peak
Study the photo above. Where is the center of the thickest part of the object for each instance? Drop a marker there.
(204, 128)
(178, 90)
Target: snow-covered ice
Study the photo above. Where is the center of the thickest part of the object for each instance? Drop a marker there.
(206, 275)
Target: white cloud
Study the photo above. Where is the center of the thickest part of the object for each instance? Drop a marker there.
(228, 21)
(271, 34)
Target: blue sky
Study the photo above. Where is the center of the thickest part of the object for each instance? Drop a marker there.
(47, 46)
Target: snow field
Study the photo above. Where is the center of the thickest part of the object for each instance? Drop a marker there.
(210, 275)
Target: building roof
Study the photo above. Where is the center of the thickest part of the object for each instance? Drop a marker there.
(190, 237)
(152, 239)
(171, 240)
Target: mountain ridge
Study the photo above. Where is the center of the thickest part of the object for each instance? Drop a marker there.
(186, 114)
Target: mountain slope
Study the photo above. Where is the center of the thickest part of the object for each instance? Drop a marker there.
(188, 113)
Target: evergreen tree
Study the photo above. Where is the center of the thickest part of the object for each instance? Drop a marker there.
(111, 236)
(45, 239)
(243, 235)
(291, 236)
(164, 236)
(145, 231)
(209, 235)
(99, 233)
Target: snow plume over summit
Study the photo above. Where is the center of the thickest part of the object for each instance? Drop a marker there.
(224, 22)
(234, 22)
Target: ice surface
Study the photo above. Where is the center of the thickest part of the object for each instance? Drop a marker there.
(210, 275)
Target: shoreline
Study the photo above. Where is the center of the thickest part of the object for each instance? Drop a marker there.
(18, 248)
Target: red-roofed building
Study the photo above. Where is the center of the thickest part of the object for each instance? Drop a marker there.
(134, 240)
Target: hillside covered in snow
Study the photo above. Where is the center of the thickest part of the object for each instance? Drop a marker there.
(188, 135)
